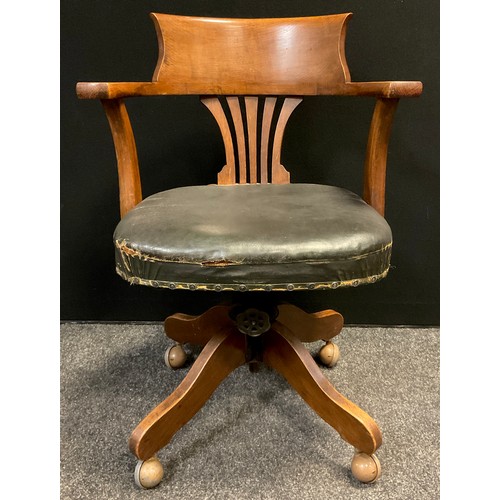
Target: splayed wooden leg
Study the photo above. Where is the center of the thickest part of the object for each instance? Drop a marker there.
(223, 353)
(287, 355)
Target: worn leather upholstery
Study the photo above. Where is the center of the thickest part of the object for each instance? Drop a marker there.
(253, 237)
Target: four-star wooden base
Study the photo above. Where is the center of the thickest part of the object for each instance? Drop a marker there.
(233, 336)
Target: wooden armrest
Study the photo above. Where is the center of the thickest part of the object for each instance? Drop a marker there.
(388, 90)
(116, 90)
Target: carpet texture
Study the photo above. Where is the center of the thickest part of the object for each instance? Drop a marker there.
(255, 438)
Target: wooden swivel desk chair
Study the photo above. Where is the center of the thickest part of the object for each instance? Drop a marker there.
(253, 231)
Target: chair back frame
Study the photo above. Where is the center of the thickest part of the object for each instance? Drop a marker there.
(241, 68)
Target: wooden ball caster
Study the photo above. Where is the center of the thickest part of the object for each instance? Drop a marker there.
(148, 473)
(329, 354)
(175, 357)
(365, 468)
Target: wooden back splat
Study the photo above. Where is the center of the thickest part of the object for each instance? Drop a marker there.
(252, 136)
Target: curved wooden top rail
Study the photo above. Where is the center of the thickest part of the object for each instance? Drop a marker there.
(230, 53)
(116, 90)
(293, 56)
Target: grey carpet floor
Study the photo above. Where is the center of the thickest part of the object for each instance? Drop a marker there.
(255, 438)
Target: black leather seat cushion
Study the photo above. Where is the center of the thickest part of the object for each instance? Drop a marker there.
(253, 237)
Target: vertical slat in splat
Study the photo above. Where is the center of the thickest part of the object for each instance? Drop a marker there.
(257, 124)
(279, 174)
(251, 106)
(267, 116)
(228, 174)
(234, 106)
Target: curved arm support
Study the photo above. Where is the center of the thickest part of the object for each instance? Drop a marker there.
(376, 153)
(129, 180)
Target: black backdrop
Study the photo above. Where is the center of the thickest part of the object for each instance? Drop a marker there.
(179, 144)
